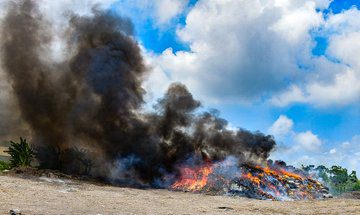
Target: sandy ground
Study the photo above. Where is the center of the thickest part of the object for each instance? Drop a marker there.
(2, 151)
(44, 195)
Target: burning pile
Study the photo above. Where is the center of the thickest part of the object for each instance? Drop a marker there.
(277, 184)
(272, 182)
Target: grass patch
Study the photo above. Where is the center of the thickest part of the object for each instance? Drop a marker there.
(4, 166)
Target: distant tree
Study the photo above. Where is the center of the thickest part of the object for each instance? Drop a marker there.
(338, 175)
(308, 168)
(352, 177)
(356, 186)
(322, 168)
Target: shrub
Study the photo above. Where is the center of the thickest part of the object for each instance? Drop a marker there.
(4, 166)
(356, 186)
(21, 153)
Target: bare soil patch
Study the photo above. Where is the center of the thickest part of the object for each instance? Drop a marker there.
(2, 151)
(53, 194)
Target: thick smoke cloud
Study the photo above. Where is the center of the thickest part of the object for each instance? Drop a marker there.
(85, 113)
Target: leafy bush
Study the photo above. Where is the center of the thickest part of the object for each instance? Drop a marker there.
(4, 166)
(356, 186)
(21, 153)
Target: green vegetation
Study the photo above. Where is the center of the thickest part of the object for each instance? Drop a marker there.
(21, 153)
(337, 178)
(4, 166)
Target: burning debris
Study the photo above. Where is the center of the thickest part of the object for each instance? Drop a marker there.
(273, 182)
(277, 184)
(86, 118)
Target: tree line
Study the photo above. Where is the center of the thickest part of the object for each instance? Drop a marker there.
(337, 178)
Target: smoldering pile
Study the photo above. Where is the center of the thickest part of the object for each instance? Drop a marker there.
(85, 113)
(277, 183)
(273, 181)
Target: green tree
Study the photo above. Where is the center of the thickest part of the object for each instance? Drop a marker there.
(356, 186)
(338, 175)
(308, 168)
(352, 177)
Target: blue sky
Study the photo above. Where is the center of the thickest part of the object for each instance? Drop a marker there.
(296, 67)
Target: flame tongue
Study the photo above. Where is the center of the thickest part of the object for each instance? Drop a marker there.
(274, 183)
(193, 179)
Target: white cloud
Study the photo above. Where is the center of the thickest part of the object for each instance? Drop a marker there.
(293, 94)
(163, 12)
(308, 141)
(342, 90)
(332, 151)
(248, 51)
(242, 50)
(282, 130)
(332, 83)
(346, 48)
(295, 23)
(323, 4)
(343, 23)
(156, 82)
(166, 10)
(282, 126)
(319, 4)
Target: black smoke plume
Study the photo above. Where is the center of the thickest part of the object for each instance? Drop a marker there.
(85, 113)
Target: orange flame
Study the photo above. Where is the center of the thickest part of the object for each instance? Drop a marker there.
(193, 179)
(253, 179)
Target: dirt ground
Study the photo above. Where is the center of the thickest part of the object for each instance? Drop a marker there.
(49, 195)
(2, 151)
